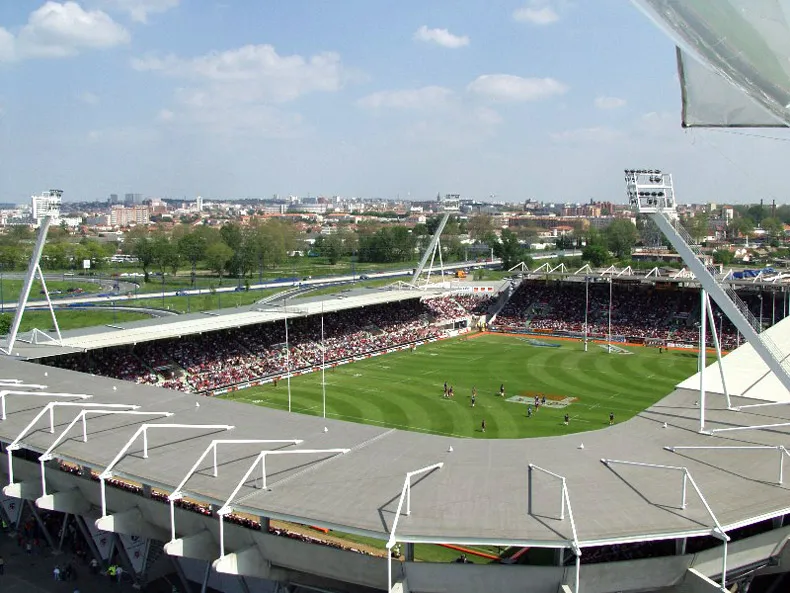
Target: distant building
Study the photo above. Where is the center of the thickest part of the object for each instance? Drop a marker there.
(199, 204)
(123, 216)
(113, 199)
(132, 199)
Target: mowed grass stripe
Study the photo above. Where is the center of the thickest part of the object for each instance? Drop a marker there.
(404, 390)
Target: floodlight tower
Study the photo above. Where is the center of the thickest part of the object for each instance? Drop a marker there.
(652, 192)
(46, 208)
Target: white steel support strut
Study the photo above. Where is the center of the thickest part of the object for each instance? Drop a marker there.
(52, 208)
(717, 531)
(430, 249)
(404, 495)
(717, 345)
(739, 314)
(143, 430)
(6, 392)
(227, 508)
(82, 416)
(212, 448)
(653, 194)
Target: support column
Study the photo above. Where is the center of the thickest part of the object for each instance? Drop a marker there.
(265, 524)
(63, 529)
(206, 576)
(123, 556)
(182, 577)
(86, 535)
(409, 551)
(680, 546)
(41, 524)
(146, 491)
(702, 340)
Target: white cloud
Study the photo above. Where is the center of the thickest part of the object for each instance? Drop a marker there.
(139, 10)
(255, 72)
(88, 98)
(597, 134)
(609, 102)
(536, 13)
(428, 97)
(441, 37)
(57, 30)
(235, 91)
(507, 87)
(7, 50)
(165, 115)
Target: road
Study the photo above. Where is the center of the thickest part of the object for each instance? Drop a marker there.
(394, 274)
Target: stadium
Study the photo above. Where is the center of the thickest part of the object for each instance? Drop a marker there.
(559, 431)
(386, 482)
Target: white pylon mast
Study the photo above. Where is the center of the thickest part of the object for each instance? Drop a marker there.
(46, 208)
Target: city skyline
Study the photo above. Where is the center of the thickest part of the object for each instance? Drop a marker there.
(502, 101)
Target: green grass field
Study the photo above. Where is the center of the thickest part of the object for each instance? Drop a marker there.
(404, 390)
(77, 318)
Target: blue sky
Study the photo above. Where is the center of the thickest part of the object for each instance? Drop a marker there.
(516, 99)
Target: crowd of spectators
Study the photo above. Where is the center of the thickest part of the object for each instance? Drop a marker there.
(638, 312)
(207, 362)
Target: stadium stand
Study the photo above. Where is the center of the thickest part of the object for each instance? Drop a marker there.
(212, 361)
(639, 313)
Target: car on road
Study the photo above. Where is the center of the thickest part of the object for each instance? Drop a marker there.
(364, 277)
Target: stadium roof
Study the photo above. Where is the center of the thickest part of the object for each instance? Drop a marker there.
(480, 495)
(197, 323)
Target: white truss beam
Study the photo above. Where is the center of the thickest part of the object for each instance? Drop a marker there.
(779, 449)
(405, 495)
(19, 384)
(227, 508)
(717, 531)
(179, 494)
(82, 416)
(6, 392)
(565, 502)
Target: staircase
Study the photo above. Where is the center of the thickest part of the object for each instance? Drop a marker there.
(659, 203)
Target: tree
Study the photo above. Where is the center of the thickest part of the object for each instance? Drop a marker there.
(723, 256)
(596, 255)
(621, 237)
(508, 249)
(330, 247)
(143, 250)
(479, 226)
(166, 254)
(773, 227)
(741, 226)
(5, 324)
(192, 247)
(697, 226)
(217, 257)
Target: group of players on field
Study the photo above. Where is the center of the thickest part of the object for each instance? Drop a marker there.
(449, 392)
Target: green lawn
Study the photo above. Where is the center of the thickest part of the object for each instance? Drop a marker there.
(404, 390)
(77, 318)
(203, 302)
(12, 288)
